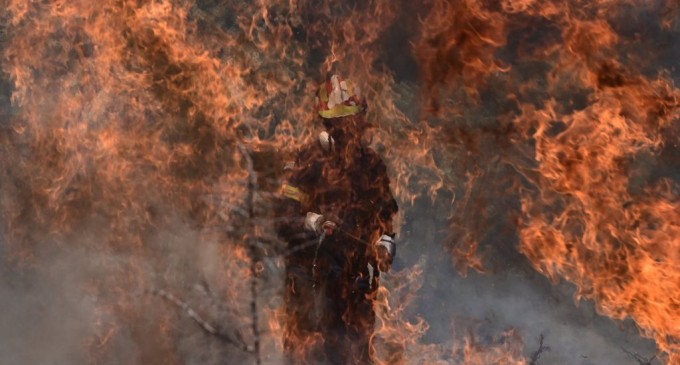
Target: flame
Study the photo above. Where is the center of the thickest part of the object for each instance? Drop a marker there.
(587, 226)
(127, 119)
(458, 43)
(585, 216)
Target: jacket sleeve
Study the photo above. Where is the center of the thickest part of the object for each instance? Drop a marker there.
(385, 246)
(292, 202)
(386, 201)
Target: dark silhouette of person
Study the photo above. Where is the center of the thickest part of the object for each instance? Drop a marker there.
(335, 214)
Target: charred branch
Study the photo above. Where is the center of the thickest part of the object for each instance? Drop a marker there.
(253, 249)
(541, 349)
(639, 358)
(203, 323)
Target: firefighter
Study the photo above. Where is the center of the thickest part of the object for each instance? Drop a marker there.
(336, 216)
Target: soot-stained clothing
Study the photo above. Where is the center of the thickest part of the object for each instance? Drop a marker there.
(331, 282)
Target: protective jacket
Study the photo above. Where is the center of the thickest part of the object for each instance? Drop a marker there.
(330, 281)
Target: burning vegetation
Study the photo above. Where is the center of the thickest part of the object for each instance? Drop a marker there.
(142, 145)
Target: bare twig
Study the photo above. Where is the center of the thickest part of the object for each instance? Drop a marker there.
(204, 324)
(205, 290)
(637, 357)
(541, 349)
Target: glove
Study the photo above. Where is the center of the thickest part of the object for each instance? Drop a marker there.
(364, 284)
(386, 250)
(318, 224)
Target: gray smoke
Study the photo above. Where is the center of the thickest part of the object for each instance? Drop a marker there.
(51, 307)
(512, 297)
(46, 315)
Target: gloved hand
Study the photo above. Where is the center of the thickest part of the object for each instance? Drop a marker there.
(319, 224)
(386, 250)
(364, 283)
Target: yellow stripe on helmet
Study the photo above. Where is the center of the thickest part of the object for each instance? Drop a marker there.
(340, 110)
(350, 103)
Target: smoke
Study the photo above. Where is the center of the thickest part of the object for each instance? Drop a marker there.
(121, 123)
(46, 313)
(82, 305)
(512, 297)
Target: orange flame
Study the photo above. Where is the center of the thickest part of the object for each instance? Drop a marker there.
(127, 117)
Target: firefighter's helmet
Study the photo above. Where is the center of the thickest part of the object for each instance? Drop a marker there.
(338, 97)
